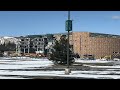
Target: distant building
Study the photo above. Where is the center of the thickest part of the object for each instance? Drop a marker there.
(39, 44)
(95, 44)
(25, 45)
(50, 43)
(33, 44)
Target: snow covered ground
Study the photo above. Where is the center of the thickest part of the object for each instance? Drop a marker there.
(24, 64)
(15, 68)
(110, 62)
(91, 61)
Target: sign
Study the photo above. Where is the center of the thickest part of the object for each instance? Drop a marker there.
(68, 25)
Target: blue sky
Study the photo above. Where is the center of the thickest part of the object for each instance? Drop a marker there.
(18, 23)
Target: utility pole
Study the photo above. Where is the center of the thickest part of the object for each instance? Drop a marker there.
(68, 41)
(68, 28)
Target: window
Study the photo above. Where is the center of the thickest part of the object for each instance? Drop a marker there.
(22, 39)
(40, 39)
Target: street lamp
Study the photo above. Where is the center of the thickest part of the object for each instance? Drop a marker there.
(68, 28)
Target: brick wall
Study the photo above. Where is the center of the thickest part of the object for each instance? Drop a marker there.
(97, 46)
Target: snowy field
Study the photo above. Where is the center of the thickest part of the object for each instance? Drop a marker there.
(25, 68)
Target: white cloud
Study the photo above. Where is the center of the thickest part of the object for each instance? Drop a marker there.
(116, 17)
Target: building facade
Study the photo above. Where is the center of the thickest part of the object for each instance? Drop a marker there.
(38, 44)
(95, 44)
(32, 44)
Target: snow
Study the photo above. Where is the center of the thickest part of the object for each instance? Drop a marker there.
(8, 66)
(24, 64)
(11, 78)
(80, 74)
(117, 66)
(92, 61)
(98, 61)
(31, 73)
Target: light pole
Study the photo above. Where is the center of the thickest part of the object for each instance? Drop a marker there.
(68, 28)
(68, 41)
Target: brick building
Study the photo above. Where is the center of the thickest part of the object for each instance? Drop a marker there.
(95, 44)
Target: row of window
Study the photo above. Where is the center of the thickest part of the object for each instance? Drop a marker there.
(116, 52)
(27, 46)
